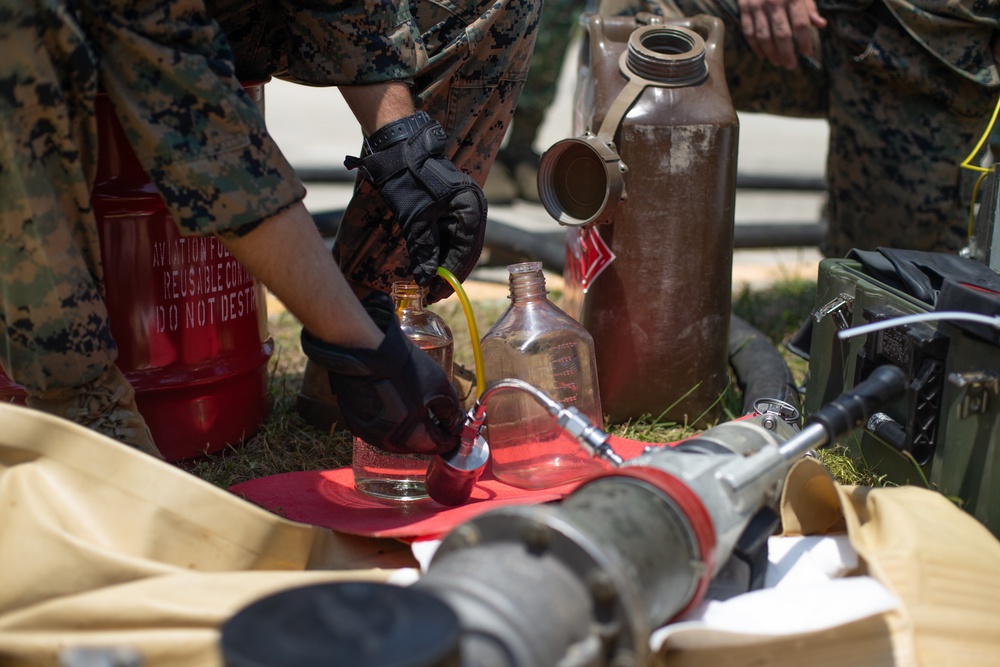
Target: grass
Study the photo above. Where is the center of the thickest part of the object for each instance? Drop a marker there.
(285, 443)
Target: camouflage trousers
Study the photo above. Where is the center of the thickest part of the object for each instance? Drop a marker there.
(51, 304)
(471, 85)
(468, 78)
(556, 30)
(900, 122)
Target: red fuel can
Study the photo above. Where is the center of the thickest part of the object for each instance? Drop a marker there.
(189, 321)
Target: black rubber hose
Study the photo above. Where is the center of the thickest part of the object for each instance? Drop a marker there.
(508, 244)
(760, 370)
(339, 174)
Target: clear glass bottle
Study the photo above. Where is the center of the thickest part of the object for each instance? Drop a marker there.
(538, 343)
(400, 477)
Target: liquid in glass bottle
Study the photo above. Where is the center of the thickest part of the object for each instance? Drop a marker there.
(538, 343)
(401, 477)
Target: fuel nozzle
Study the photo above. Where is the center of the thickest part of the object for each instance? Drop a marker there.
(452, 476)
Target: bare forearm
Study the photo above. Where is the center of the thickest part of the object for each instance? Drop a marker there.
(287, 254)
(378, 104)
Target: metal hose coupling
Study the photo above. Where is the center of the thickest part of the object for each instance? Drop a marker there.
(590, 437)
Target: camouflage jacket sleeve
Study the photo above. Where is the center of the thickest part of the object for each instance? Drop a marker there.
(958, 32)
(169, 72)
(323, 42)
(352, 43)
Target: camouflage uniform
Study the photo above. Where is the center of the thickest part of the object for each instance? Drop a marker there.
(169, 71)
(466, 62)
(908, 90)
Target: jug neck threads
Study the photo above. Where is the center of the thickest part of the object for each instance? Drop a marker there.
(668, 55)
(408, 295)
(527, 282)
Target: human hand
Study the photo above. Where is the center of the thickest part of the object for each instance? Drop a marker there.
(441, 210)
(780, 30)
(395, 398)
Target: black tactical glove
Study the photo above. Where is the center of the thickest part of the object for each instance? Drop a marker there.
(441, 210)
(395, 398)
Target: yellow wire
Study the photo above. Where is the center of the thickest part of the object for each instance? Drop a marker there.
(972, 209)
(470, 318)
(966, 163)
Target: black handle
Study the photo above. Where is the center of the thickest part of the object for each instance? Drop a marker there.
(854, 407)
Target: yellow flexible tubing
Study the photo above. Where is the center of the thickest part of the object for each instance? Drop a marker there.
(967, 164)
(470, 318)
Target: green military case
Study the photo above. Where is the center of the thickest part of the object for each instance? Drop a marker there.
(943, 433)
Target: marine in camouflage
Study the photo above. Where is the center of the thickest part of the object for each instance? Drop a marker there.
(466, 62)
(174, 80)
(477, 59)
(907, 89)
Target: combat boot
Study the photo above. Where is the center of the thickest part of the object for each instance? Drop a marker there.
(316, 403)
(500, 187)
(318, 407)
(464, 382)
(106, 405)
(526, 176)
(514, 175)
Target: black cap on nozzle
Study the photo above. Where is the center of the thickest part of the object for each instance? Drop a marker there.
(854, 407)
(452, 476)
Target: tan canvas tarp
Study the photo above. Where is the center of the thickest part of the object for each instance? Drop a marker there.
(940, 562)
(103, 546)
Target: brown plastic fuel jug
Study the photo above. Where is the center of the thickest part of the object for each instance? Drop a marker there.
(647, 189)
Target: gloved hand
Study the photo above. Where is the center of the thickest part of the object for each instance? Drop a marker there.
(395, 398)
(441, 210)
